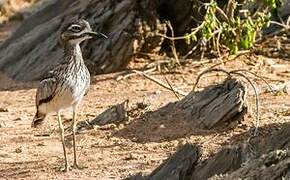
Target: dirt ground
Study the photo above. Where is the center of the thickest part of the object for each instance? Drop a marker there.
(139, 145)
(116, 152)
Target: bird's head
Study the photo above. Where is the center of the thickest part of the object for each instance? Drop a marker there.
(78, 31)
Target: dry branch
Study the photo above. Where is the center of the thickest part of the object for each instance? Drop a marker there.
(160, 83)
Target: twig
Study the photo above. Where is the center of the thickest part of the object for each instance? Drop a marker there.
(122, 77)
(195, 30)
(159, 82)
(257, 101)
(208, 71)
(171, 87)
(238, 54)
(173, 43)
(260, 77)
(285, 26)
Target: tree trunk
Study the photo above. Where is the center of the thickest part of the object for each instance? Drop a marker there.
(130, 25)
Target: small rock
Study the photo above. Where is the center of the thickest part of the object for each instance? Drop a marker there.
(18, 150)
(162, 126)
(3, 109)
(2, 124)
(132, 156)
(40, 144)
(157, 92)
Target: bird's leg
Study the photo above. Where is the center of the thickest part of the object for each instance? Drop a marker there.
(76, 165)
(74, 138)
(66, 167)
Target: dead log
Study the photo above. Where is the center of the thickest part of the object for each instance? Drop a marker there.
(115, 114)
(216, 104)
(179, 166)
(226, 160)
(130, 25)
(272, 160)
(279, 140)
(274, 165)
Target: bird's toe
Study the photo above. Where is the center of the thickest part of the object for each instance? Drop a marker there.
(66, 168)
(76, 166)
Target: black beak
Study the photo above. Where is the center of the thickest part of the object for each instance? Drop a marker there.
(96, 35)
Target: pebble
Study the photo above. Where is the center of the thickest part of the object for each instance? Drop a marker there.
(3, 109)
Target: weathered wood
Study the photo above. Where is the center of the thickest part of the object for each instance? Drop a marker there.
(114, 114)
(274, 165)
(226, 160)
(130, 25)
(216, 104)
(179, 166)
(279, 140)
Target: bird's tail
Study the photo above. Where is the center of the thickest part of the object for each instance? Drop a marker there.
(38, 119)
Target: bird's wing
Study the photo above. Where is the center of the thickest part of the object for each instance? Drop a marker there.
(46, 90)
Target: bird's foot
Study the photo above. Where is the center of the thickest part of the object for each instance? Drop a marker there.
(66, 168)
(76, 166)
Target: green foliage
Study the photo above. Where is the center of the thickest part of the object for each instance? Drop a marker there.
(272, 3)
(220, 30)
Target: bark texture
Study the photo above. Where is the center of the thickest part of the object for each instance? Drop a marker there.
(115, 114)
(179, 165)
(274, 165)
(216, 104)
(130, 25)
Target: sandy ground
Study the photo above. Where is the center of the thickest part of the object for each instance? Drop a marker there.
(140, 145)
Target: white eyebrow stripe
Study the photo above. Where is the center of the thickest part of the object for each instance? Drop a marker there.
(74, 25)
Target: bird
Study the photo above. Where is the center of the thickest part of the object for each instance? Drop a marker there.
(65, 86)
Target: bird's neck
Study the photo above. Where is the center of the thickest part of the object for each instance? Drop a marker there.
(73, 53)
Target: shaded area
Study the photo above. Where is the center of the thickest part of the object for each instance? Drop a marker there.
(267, 160)
(215, 107)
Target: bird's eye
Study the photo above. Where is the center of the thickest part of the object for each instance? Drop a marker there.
(75, 28)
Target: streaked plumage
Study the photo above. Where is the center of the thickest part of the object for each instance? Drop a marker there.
(65, 86)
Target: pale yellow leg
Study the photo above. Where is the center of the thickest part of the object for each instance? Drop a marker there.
(66, 167)
(74, 138)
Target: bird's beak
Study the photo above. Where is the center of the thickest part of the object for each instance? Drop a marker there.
(96, 35)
